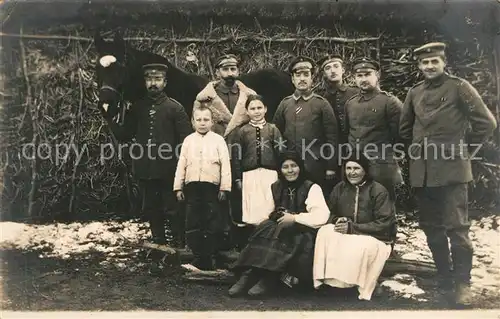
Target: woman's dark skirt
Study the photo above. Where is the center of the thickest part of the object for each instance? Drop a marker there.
(291, 250)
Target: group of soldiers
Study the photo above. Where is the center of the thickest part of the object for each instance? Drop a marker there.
(442, 109)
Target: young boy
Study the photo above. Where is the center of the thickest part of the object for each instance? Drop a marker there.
(203, 178)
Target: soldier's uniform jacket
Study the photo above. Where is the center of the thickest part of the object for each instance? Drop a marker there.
(373, 118)
(337, 99)
(306, 124)
(162, 123)
(439, 113)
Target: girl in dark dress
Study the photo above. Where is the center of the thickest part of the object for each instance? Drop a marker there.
(284, 243)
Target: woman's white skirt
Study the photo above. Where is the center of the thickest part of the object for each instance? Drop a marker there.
(342, 260)
(257, 198)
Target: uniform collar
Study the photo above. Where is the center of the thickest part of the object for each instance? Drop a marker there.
(225, 89)
(306, 96)
(436, 82)
(334, 88)
(367, 96)
(158, 99)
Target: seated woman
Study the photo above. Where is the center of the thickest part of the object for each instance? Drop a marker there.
(284, 243)
(351, 250)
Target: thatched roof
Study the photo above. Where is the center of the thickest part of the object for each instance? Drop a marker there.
(446, 15)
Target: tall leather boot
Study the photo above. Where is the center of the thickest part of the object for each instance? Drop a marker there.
(438, 245)
(462, 253)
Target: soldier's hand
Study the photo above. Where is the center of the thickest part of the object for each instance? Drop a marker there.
(238, 184)
(330, 174)
(180, 196)
(222, 196)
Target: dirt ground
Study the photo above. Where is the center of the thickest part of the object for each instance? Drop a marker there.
(100, 266)
(88, 283)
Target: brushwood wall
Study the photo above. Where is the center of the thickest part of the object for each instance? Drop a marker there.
(50, 94)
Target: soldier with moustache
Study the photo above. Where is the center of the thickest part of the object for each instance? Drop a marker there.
(157, 124)
(436, 117)
(372, 124)
(308, 125)
(333, 88)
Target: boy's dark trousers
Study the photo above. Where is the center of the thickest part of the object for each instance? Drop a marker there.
(157, 200)
(205, 224)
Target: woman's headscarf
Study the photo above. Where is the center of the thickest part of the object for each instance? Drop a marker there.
(363, 161)
(284, 197)
(300, 163)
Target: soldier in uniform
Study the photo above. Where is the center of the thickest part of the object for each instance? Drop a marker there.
(227, 95)
(333, 88)
(158, 124)
(372, 123)
(308, 125)
(227, 70)
(436, 116)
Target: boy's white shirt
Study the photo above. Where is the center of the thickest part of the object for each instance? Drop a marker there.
(204, 158)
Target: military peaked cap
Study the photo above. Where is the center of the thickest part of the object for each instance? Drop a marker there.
(430, 50)
(365, 63)
(300, 63)
(226, 60)
(329, 59)
(155, 69)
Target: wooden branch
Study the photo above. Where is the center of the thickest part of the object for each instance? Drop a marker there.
(403, 62)
(496, 58)
(77, 137)
(491, 164)
(175, 47)
(164, 248)
(256, 38)
(34, 123)
(391, 267)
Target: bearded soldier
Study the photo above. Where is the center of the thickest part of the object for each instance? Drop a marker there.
(158, 124)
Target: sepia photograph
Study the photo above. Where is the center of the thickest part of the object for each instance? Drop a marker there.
(242, 158)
